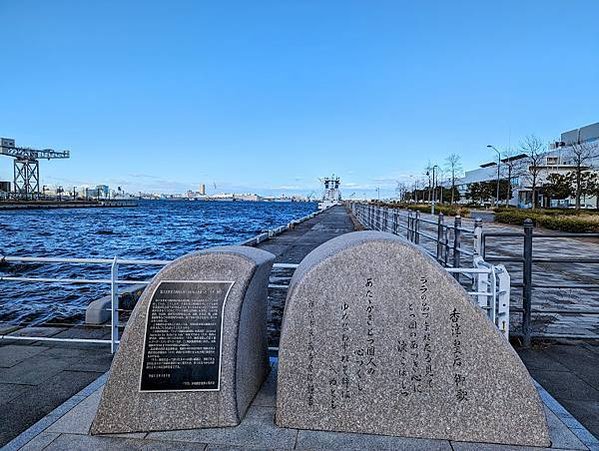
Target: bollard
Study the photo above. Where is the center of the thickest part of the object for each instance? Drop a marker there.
(114, 305)
(527, 283)
(416, 228)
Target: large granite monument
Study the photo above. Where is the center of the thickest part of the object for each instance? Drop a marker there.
(194, 352)
(378, 338)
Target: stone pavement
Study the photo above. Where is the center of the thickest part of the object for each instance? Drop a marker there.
(68, 426)
(569, 370)
(36, 377)
(291, 247)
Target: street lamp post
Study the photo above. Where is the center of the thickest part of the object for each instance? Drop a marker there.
(434, 189)
(498, 165)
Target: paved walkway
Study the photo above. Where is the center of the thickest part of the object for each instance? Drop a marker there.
(37, 377)
(68, 428)
(569, 370)
(291, 247)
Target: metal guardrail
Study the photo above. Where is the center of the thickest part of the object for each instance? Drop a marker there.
(114, 280)
(114, 283)
(527, 260)
(448, 239)
(490, 283)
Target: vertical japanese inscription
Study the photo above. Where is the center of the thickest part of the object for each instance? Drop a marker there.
(182, 348)
(366, 356)
(459, 378)
(415, 352)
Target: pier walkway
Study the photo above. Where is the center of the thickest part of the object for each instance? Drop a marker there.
(43, 382)
(37, 377)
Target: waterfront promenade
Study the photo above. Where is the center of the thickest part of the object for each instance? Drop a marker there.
(37, 377)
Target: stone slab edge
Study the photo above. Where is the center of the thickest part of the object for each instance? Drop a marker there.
(279, 230)
(582, 433)
(33, 431)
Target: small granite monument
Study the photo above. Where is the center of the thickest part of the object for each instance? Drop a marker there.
(194, 352)
(378, 338)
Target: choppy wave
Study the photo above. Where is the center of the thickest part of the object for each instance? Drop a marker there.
(161, 230)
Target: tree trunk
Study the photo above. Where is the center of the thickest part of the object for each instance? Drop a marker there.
(578, 190)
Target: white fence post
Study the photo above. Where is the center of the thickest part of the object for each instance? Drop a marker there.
(503, 300)
(114, 295)
(478, 237)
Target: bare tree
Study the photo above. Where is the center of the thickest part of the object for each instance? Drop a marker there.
(402, 190)
(582, 156)
(534, 149)
(454, 166)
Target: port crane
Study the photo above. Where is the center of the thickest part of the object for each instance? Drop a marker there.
(26, 169)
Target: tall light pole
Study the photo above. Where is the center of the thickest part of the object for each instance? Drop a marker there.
(498, 164)
(433, 184)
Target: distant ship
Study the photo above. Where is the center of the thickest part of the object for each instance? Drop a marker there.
(331, 195)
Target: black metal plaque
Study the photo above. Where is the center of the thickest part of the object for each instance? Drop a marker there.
(183, 342)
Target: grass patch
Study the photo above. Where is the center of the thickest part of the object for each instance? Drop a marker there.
(563, 220)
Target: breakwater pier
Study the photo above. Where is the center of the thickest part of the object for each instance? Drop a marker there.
(56, 387)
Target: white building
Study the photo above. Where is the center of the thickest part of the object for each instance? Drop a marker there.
(557, 160)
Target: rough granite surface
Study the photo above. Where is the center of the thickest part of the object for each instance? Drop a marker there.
(378, 338)
(123, 408)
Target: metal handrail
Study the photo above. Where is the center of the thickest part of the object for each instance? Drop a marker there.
(124, 261)
(114, 281)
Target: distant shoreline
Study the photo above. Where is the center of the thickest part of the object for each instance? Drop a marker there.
(43, 204)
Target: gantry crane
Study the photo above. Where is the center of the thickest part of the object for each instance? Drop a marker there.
(26, 183)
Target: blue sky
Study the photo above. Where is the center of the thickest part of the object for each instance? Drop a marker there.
(267, 96)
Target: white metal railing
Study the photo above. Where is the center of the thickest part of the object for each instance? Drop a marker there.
(114, 281)
(491, 290)
(491, 285)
